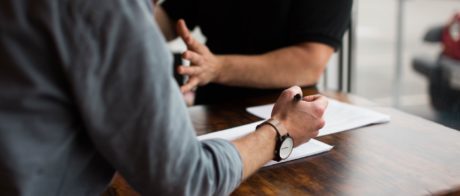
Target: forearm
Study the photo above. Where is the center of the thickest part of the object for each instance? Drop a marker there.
(256, 149)
(294, 65)
(165, 23)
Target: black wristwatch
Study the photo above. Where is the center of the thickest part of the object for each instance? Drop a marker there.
(284, 143)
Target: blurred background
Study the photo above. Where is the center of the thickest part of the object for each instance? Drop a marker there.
(388, 36)
(376, 65)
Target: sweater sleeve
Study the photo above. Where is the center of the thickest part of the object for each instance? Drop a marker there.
(133, 110)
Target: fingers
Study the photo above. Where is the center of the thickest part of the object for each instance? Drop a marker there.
(184, 33)
(311, 98)
(318, 103)
(321, 124)
(191, 84)
(193, 57)
(294, 116)
(314, 134)
(191, 43)
(182, 30)
(188, 70)
(321, 103)
(318, 107)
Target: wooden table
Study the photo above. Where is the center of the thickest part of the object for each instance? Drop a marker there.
(408, 156)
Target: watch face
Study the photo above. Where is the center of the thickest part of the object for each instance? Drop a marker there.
(286, 148)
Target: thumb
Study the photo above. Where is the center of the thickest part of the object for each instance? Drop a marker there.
(290, 93)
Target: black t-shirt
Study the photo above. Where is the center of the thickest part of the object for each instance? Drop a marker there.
(259, 26)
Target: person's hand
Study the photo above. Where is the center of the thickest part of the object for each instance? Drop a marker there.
(204, 65)
(303, 118)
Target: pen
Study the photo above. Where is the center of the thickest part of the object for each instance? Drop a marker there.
(297, 97)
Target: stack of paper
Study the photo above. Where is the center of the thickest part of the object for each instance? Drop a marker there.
(338, 116)
(311, 148)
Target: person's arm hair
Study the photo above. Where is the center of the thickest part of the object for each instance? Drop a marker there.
(167, 25)
(134, 116)
(256, 149)
(301, 64)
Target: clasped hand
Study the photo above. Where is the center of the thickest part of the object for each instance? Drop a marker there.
(303, 119)
(204, 65)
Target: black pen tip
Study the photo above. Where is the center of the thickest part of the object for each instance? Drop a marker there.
(297, 97)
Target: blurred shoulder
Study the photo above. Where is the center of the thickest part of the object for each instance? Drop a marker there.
(110, 7)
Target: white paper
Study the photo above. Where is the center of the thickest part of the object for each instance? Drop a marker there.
(338, 116)
(311, 148)
(232, 133)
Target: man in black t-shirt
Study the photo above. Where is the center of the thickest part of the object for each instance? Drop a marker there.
(256, 45)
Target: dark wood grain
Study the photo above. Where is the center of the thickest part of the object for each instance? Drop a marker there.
(408, 156)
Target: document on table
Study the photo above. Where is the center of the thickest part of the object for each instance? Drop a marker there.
(338, 116)
(311, 148)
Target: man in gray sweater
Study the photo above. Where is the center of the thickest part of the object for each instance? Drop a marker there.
(86, 90)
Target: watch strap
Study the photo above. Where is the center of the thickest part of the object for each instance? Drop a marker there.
(277, 125)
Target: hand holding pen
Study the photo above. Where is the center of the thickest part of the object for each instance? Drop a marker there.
(303, 119)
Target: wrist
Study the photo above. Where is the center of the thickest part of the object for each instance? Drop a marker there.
(220, 68)
(268, 131)
(283, 142)
(281, 124)
(267, 135)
